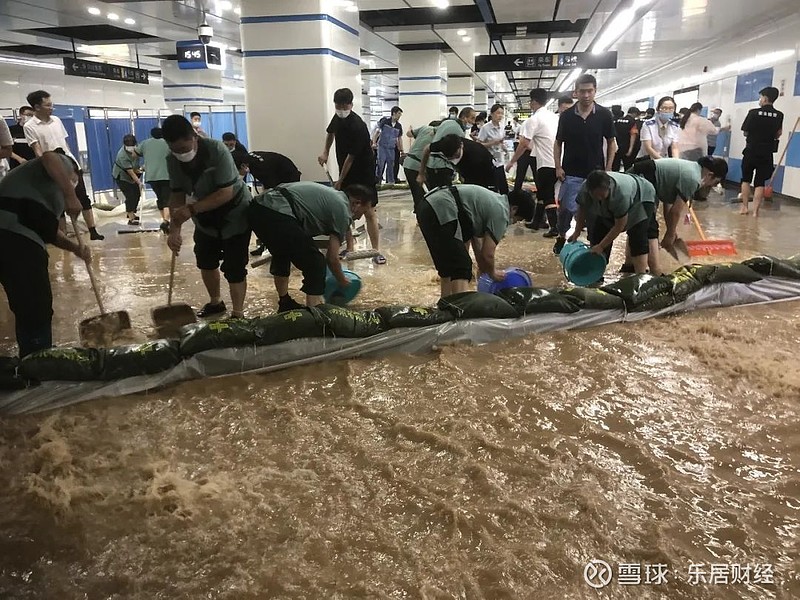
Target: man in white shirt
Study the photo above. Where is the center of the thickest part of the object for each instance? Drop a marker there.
(539, 135)
(45, 133)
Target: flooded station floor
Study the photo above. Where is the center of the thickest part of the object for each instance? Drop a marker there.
(486, 472)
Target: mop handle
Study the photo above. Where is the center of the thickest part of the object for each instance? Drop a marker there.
(171, 278)
(88, 268)
(697, 224)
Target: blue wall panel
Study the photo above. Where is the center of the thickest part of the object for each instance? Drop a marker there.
(241, 128)
(749, 84)
(142, 127)
(734, 170)
(793, 153)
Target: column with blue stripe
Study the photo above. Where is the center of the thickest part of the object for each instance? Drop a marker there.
(422, 82)
(460, 92)
(296, 53)
(182, 88)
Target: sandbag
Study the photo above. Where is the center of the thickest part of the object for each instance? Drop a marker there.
(685, 281)
(139, 359)
(229, 333)
(63, 364)
(290, 325)
(733, 273)
(639, 291)
(530, 300)
(477, 305)
(412, 316)
(592, 298)
(352, 323)
(775, 267)
(9, 381)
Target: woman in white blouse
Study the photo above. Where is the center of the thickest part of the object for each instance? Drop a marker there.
(492, 135)
(693, 141)
(660, 134)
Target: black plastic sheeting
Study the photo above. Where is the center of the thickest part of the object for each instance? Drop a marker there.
(446, 327)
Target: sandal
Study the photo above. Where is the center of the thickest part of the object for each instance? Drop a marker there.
(379, 260)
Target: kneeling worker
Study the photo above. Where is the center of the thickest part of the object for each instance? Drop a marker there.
(206, 188)
(451, 217)
(613, 203)
(287, 218)
(33, 197)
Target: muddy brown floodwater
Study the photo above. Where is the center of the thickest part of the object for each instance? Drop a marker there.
(478, 473)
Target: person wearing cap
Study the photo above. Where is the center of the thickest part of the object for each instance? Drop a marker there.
(453, 217)
(154, 151)
(762, 128)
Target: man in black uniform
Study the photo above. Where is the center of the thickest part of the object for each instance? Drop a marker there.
(21, 152)
(355, 157)
(762, 127)
(473, 161)
(627, 128)
(237, 149)
(270, 169)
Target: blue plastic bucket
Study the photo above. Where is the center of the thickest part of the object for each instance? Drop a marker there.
(514, 278)
(341, 296)
(581, 266)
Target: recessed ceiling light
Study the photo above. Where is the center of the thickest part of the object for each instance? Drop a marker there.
(11, 82)
(113, 17)
(130, 21)
(93, 10)
(237, 10)
(226, 5)
(466, 38)
(461, 32)
(441, 3)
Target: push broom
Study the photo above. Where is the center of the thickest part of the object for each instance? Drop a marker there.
(705, 246)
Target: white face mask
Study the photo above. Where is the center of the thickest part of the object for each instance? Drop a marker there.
(130, 149)
(186, 156)
(342, 114)
(196, 124)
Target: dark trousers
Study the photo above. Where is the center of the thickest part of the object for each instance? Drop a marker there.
(417, 191)
(622, 160)
(525, 162)
(131, 193)
(396, 163)
(24, 277)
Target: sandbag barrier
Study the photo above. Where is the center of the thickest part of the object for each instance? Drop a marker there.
(633, 294)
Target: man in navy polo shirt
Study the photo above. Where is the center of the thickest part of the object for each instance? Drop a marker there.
(581, 131)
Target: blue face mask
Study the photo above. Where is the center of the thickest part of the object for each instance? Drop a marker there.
(664, 117)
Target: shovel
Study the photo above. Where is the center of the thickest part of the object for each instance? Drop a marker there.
(101, 329)
(170, 318)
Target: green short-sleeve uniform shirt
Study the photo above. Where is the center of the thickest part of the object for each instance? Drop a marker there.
(122, 163)
(487, 211)
(677, 178)
(447, 127)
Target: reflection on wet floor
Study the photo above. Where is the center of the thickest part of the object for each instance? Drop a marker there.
(483, 472)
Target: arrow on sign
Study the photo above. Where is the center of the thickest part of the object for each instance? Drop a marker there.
(518, 62)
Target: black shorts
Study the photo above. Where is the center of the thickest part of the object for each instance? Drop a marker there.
(162, 191)
(639, 235)
(646, 168)
(289, 244)
(231, 252)
(756, 169)
(546, 185)
(450, 256)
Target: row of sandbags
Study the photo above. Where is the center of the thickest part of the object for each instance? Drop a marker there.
(634, 293)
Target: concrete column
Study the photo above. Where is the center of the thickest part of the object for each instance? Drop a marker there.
(460, 92)
(191, 86)
(482, 100)
(296, 54)
(422, 77)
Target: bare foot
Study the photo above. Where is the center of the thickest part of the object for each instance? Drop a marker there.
(743, 211)
(755, 214)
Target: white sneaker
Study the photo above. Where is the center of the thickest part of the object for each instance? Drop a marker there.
(718, 188)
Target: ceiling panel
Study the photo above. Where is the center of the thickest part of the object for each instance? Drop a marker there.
(509, 11)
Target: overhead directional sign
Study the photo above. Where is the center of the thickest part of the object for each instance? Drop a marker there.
(548, 62)
(86, 68)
